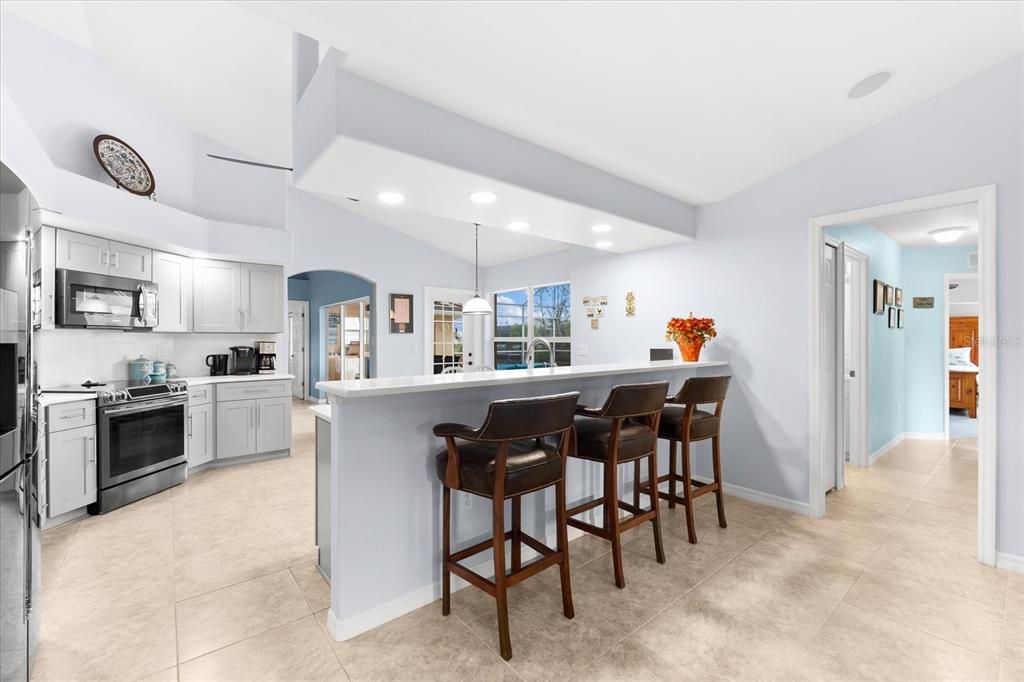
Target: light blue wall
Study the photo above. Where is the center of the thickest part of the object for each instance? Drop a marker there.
(923, 268)
(320, 288)
(886, 364)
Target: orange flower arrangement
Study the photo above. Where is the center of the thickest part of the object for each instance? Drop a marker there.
(690, 329)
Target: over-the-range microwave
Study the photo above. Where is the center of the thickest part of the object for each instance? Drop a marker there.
(85, 299)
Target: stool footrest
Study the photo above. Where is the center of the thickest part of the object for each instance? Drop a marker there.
(477, 548)
(549, 557)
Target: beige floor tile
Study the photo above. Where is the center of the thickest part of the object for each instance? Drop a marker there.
(865, 645)
(168, 675)
(1011, 667)
(56, 543)
(962, 521)
(220, 618)
(297, 650)
(227, 565)
(1013, 627)
(941, 497)
(886, 500)
(631, 660)
(314, 586)
(107, 598)
(755, 516)
(971, 624)
(895, 464)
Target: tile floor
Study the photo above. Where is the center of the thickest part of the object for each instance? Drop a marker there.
(215, 580)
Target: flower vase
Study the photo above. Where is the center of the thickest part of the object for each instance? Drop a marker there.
(690, 350)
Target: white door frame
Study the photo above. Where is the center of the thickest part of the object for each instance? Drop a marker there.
(323, 332)
(945, 342)
(431, 294)
(838, 412)
(859, 454)
(305, 345)
(985, 198)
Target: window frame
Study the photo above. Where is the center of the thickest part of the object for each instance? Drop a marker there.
(530, 320)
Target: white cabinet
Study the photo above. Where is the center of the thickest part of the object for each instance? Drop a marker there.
(44, 258)
(82, 252)
(173, 276)
(71, 474)
(273, 424)
(200, 434)
(128, 260)
(236, 428)
(217, 296)
(262, 298)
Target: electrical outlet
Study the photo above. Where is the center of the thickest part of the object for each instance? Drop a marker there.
(467, 500)
(582, 349)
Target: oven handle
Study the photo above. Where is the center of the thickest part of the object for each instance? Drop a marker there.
(145, 407)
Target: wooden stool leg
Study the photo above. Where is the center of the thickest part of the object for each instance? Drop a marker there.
(500, 588)
(517, 533)
(611, 519)
(446, 575)
(691, 529)
(652, 474)
(716, 461)
(673, 452)
(563, 547)
(636, 483)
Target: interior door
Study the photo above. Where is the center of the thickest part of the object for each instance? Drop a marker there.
(833, 426)
(297, 344)
(445, 342)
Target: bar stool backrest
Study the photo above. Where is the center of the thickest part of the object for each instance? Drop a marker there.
(525, 418)
(635, 400)
(703, 390)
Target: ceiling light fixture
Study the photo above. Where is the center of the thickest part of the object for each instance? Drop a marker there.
(519, 226)
(390, 198)
(604, 245)
(476, 305)
(483, 197)
(871, 84)
(947, 235)
(601, 228)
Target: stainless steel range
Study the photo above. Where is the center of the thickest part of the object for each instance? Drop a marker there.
(141, 441)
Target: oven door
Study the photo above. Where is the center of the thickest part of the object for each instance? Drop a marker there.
(140, 438)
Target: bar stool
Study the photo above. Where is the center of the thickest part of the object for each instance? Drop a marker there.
(507, 457)
(682, 422)
(623, 430)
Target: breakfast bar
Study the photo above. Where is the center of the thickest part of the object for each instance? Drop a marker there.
(385, 498)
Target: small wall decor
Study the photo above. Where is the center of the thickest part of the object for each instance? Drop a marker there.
(892, 318)
(595, 312)
(595, 323)
(401, 314)
(124, 165)
(890, 294)
(630, 304)
(924, 301)
(879, 299)
(899, 318)
(899, 297)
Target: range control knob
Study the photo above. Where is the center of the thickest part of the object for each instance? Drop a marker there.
(121, 395)
(106, 397)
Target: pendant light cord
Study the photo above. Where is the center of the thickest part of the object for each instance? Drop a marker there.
(476, 259)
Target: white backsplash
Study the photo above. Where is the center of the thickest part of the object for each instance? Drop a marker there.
(70, 356)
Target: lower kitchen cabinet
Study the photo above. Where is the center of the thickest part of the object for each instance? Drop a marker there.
(273, 424)
(71, 474)
(200, 434)
(236, 428)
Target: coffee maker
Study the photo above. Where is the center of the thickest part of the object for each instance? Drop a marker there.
(266, 357)
(243, 360)
(218, 364)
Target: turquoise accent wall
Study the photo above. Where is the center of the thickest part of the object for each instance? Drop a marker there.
(923, 270)
(324, 287)
(886, 360)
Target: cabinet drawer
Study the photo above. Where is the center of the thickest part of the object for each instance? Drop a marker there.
(249, 390)
(64, 416)
(200, 395)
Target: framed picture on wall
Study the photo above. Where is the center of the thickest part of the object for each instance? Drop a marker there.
(890, 294)
(899, 318)
(892, 318)
(401, 314)
(899, 297)
(879, 297)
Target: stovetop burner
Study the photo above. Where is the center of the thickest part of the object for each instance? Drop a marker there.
(114, 392)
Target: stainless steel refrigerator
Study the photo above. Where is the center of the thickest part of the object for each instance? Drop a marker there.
(20, 540)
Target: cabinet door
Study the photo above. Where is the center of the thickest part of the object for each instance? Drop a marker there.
(71, 460)
(273, 424)
(262, 298)
(173, 277)
(128, 260)
(216, 296)
(82, 252)
(236, 428)
(200, 434)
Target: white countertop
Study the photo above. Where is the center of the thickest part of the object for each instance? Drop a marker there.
(322, 411)
(230, 378)
(365, 388)
(57, 398)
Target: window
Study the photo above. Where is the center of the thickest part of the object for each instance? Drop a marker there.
(522, 315)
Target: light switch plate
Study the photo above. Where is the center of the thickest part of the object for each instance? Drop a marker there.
(582, 349)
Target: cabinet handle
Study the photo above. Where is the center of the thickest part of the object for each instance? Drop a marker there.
(74, 415)
(190, 426)
(105, 258)
(117, 259)
(259, 416)
(250, 416)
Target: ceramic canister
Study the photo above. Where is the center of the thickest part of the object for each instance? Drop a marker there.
(140, 369)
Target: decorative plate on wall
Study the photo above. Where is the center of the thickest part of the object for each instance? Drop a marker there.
(124, 165)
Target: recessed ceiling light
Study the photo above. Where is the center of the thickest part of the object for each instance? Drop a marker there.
(604, 245)
(483, 197)
(871, 84)
(392, 198)
(519, 226)
(946, 235)
(601, 227)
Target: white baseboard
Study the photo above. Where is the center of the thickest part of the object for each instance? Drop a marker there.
(926, 435)
(885, 448)
(758, 497)
(1010, 562)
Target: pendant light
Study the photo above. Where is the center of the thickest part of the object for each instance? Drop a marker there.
(476, 305)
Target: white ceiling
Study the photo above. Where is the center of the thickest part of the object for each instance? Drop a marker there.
(911, 229)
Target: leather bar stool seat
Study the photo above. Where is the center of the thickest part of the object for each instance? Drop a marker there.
(593, 437)
(529, 466)
(702, 424)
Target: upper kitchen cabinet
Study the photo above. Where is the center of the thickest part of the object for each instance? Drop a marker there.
(262, 298)
(86, 253)
(173, 276)
(217, 296)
